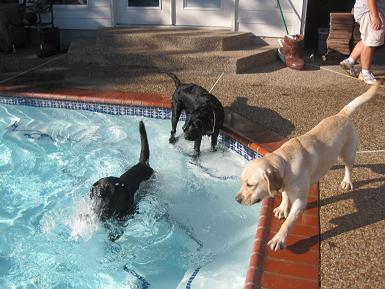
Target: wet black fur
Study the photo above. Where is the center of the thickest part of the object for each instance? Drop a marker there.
(204, 113)
(114, 196)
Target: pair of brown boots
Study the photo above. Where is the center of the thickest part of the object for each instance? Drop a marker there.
(293, 49)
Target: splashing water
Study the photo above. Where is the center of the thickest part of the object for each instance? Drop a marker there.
(84, 222)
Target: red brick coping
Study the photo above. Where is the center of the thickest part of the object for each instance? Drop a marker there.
(297, 266)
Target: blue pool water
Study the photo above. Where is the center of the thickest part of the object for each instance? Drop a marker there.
(188, 231)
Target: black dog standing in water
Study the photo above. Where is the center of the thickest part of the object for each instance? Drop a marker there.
(114, 197)
(204, 113)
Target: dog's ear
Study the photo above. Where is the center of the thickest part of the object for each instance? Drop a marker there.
(274, 180)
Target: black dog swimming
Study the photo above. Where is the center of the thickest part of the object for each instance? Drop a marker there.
(114, 197)
(204, 113)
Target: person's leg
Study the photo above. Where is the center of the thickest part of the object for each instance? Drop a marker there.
(371, 38)
(356, 53)
(348, 63)
(366, 63)
(366, 57)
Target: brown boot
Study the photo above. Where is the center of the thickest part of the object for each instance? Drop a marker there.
(294, 50)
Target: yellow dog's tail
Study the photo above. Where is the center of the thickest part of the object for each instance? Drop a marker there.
(363, 98)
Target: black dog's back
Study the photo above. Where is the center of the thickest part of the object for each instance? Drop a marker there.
(193, 95)
(114, 197)
(204, 113)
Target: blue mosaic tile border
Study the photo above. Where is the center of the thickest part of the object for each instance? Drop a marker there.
(237, 147)
(116, 109)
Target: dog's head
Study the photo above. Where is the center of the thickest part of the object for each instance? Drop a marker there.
(110, 197)
(259, 179)
(200, 123)
(193, 129)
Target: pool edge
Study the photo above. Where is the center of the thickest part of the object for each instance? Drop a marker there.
(295, 267)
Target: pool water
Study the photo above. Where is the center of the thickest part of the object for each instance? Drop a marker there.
(188, 231)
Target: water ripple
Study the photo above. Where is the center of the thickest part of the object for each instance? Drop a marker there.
(185, 218)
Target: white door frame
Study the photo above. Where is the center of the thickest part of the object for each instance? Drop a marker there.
(234, 20)
(113, 13)
(303, 20)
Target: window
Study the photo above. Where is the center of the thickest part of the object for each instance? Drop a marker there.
(203, 3)
(143, 3)
(69, 2)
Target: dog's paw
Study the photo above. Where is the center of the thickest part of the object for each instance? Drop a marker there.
(347, 185)
(196, 155)
(172, 139)
(277, 243)
(282, 211)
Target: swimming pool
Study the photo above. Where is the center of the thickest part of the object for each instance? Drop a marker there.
(188, 231)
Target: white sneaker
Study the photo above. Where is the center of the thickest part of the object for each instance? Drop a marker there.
(367, 77)
(348, 67)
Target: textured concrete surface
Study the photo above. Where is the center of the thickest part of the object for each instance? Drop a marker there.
(174, 49)
(290, 103)
(23, 60)
(174, 39)
(353, 226)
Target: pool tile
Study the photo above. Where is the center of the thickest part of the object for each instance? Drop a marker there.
(299, 244)
(274, 280)
(253, 273)
(297, 229)
(314, 191)
(307, 257)
(311, 210)
(307, 220)
(291, 269)
(312, 199)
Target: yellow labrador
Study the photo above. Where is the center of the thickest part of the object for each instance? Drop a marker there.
(301, 162)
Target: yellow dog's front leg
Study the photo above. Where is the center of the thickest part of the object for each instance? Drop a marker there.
(282, 211)
(278, 241)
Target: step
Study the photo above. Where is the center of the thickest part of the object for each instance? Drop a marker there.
(178, 39)
(239, 61)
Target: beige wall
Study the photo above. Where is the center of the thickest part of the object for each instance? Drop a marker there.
(263, 18)
(97, 13)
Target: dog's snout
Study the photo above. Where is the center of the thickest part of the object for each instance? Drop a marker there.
(238, 198)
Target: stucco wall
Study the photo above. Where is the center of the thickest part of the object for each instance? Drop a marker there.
(97, 13)
(263, 17)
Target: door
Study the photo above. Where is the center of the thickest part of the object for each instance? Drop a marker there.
(204, 12)
(152, 12)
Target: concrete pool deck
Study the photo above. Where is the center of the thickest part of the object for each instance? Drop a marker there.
(289, 103)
